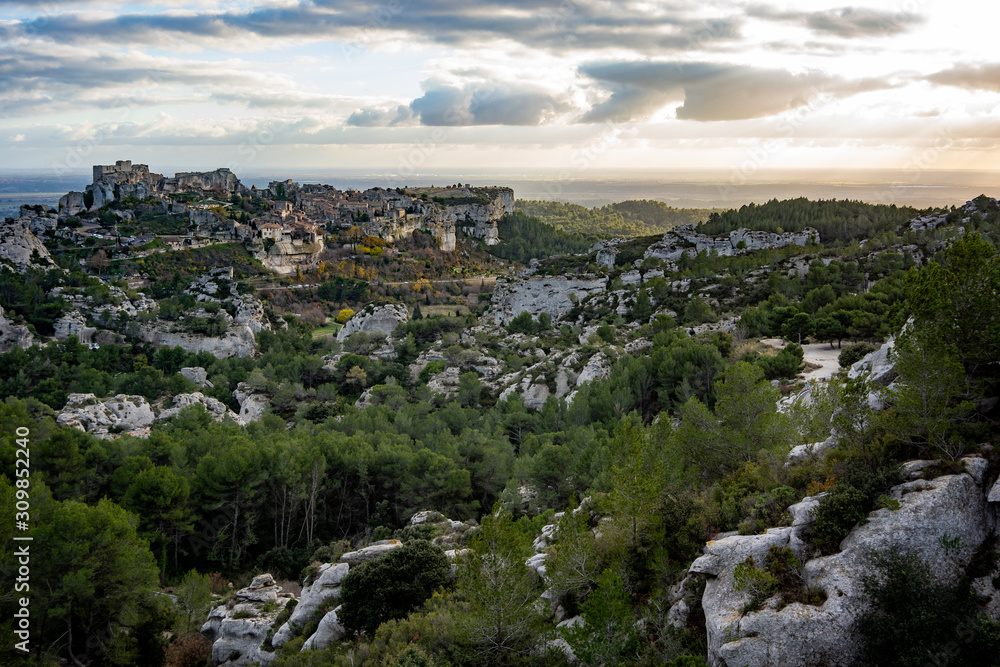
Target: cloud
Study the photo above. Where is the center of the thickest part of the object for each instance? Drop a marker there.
(555, 25)
(481, 103)
(845, 22)
(374, 117)
(710, 91)
(971, 77)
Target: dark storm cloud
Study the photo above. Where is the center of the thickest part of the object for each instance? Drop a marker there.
(846, 22)
(472, 104)
(972, 77)
(555, 25)
(710, 92)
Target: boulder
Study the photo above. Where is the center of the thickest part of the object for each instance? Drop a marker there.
(252, 406)
(216, 408)
(21, 249)
(329, 631)
(239, 629)
(198, 375)
(540, 294)
(74, 324)
(13, 335)
(325, 585)
(102, 417)
(799, 635)
(876, 365)
(380, 318)
(372, 551)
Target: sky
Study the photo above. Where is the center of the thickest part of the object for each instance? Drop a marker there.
(575, 87)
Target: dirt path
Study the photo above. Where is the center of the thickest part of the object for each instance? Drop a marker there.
(819, 354)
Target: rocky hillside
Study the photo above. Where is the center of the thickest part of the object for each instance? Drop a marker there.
(623, 455)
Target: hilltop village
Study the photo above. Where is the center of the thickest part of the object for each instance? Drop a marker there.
(284, 225)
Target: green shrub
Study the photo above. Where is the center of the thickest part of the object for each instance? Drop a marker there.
(393, 585)
(855, 493)
(757, 583)
(854, 353)
(915, 620)
(431, 369)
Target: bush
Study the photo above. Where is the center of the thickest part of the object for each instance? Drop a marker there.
(851, 498)
(915, 620)
(757, 583)
(392, 586)
(784, 365)
(854, 353)
(189, 650)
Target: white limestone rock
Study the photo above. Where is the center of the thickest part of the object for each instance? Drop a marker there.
(799, 635)
(13, 335)
(252, 406)
(21, 249)
(100, 417)
(326, 585)
(876, 365)
(378, 318)
(238, 631)
(540, 294)
(329, 631)
(198, 375)
(372, 551)
(74, 324)
(216, 408)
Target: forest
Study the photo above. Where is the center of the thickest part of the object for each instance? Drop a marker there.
(681, 441)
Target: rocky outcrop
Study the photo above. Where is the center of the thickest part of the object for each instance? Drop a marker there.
(252, 406)
(196, 374)
(74, 324)
(13, 335)
(477, 219)
(20, 249)
(220, 181)
(540, 294)
(284, 257)
(239, 629)
(384, 319)
(329, 631)
(372, 551)
(799, 635)
(877, 366)
(325, 585)
(238, 341)
(216, 408)
(685, 239)
(103, 418)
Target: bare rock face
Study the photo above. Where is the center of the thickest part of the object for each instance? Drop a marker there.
(685, 240)
(540, 294)
(876, 366)
(216, 408)
(372, 551)
(384, 319)
(20, 249)
(100, 417)
(238, 630)
(286, 256)
(238, 341)
(329, 631)
(196, 374)
(799, 635)
(13, 335)
(74, 324)
(326, 585)
(221, 181)
(252, 406)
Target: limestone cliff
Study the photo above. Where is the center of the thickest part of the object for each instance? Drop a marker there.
(20, 249)
(537, 294)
